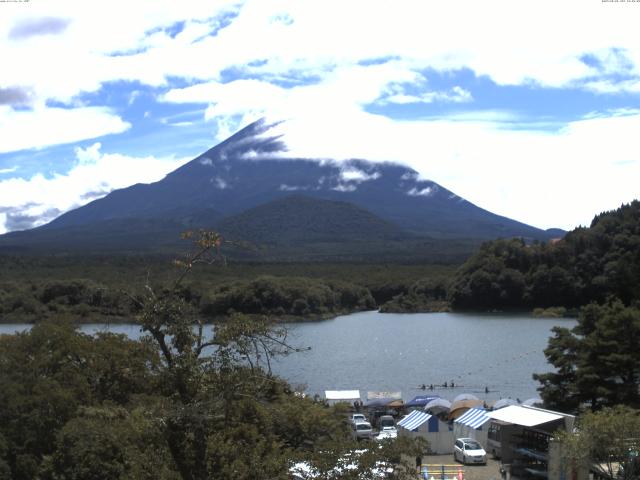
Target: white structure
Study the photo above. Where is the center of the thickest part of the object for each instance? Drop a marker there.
(341, 396)
(420, 424)
(522, 436)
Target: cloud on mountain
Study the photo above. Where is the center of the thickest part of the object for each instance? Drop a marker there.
(15, 218)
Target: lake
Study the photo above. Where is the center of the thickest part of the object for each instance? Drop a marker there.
(371, 351)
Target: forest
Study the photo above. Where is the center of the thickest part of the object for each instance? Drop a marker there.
(587, 265)
(96, 288)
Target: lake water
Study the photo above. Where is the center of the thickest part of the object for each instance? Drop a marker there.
(370, 351)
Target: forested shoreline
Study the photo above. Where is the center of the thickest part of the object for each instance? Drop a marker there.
(96, 289)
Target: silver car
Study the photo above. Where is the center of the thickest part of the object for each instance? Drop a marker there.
(469, 451)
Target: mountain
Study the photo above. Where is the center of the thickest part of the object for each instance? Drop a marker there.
(248, 187)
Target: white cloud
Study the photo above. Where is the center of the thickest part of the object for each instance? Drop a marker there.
(423, 192)
(351, 174)
(590, 163)
(291, 188)
(45, 126)
(609, 86)
(495, 38)
(220, 183)
(94, 175)
(454, 95)
(345, 187)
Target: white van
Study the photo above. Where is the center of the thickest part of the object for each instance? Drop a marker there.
(362, 430)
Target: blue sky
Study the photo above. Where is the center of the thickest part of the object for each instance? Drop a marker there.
(529, 110)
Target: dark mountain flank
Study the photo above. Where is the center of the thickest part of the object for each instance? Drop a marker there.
(249, 190)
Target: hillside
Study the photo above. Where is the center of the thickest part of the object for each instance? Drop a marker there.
(587, 265)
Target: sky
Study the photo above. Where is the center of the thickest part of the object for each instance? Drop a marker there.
(529, 109)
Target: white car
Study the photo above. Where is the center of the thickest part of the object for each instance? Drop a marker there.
(357, 418)
(387, 432)
(469, 451)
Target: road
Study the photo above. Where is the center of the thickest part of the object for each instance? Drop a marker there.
(490, 471)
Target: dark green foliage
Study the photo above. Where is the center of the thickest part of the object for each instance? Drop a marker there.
(295, 296)
(296, 220)
(90, 289)
(73, 406)
(588, 264)
(48, 373)
(597, 362)
(425, 295)
(31, 302)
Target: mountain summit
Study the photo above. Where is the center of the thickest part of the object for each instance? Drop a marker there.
(236, 183)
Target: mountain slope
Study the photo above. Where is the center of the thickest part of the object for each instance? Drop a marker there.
(249, 170)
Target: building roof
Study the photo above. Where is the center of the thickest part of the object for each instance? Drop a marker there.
(525, 416)
(342, 394)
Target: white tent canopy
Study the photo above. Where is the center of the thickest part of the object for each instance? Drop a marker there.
(525, 416)
(334, 396)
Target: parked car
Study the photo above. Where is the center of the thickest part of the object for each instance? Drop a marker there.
(469, 451)
(387, 432)
(386, 421)
(357, 418)
(362, 430)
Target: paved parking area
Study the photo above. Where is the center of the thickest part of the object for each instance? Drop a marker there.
(490, 471)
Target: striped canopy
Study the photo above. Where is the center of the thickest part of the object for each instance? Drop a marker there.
(414, 420)
(474, 418)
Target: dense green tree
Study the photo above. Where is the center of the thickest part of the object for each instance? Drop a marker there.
(604, 441)
(587, 265)
(291, 296)
(597, 362)
(48, 373)
(110, 442)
